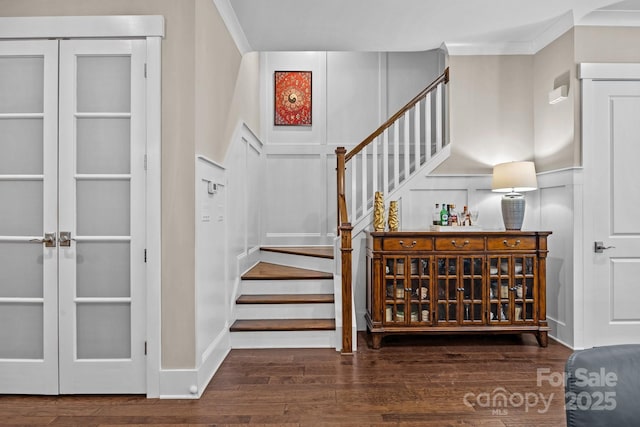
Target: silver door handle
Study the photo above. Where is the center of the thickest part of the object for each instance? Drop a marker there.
(49, 240)
(65, 238)
(599, 247)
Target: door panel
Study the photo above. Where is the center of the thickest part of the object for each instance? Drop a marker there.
(612, 293)
(72, 163)
(102, 207)
(28, 191)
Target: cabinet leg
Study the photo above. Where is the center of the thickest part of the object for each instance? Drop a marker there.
(376, 340)
(542, 338)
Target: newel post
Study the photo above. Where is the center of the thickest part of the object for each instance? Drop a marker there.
(344, 230)
(347, 296)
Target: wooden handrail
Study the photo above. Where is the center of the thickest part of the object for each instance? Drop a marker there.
(444, 77)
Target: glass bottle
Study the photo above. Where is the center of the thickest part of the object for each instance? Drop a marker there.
(436, 215)
(444, 215)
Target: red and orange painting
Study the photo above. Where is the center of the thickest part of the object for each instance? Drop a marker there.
(292, 98)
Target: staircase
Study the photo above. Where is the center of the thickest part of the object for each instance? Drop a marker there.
(287, 300)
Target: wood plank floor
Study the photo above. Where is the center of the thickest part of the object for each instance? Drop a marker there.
(410, 381)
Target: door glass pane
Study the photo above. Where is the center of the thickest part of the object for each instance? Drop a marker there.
(104, 84)
(21, 84)
(103, 145)
(21, 333)
(103, 208)
(21, 270)
(21, 208)
(104, 331)
(103, 269)
(20, 146)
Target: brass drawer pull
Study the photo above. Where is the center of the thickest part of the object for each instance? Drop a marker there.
(408, 246)
(465, 243)
(517, 242)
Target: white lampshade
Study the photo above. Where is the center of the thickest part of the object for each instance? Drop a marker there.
(514, 177)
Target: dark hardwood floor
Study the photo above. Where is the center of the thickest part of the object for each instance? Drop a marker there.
(411, 381)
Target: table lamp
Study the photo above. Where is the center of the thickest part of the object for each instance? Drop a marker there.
(513, 178)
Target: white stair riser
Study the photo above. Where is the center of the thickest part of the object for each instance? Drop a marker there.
(283, 339)
(285, 311)
(261, 287)
(311, 263)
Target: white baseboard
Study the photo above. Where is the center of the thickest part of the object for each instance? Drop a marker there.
(191, 383)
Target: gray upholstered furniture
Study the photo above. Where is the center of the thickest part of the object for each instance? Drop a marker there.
(602, 387)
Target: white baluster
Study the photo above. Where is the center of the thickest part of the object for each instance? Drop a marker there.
(374, 165)
(385, 162)
(427, 126)
(416, 135)
(439, 118)
(396, 155)
(407, 141)
(354, 189)
(365, 193)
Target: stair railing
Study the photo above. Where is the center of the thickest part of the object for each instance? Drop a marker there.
(414, 135)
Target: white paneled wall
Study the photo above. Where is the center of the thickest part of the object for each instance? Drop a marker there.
(212, 337)
(229, 202)
(349, 101)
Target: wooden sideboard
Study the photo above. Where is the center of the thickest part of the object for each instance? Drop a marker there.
(456, 282)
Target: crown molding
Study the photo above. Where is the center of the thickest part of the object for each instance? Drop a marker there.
(230, 20)
(557, 28)
(611, 18)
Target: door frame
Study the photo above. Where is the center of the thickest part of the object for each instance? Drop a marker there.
(150, 27)
(588, 73)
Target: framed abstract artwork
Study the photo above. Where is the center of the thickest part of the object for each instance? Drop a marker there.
(292, 99)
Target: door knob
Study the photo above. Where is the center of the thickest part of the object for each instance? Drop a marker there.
(599, 247)
(65, 238)
(49, 240)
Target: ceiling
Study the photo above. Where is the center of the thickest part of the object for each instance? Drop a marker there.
(403, 25)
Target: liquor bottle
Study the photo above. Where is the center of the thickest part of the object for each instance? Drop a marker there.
(444, 215)
(436, 215)
(453, 216)
(465, 216)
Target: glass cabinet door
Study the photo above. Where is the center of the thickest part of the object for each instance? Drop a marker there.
(471, 292)
(407, 290)
(459, 290)
(420, 285)
(395, 289)
(512, 289)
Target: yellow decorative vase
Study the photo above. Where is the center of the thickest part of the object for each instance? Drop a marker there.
(378, 212)
(393, 215)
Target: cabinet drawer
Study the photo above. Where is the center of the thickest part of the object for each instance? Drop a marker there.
(459, 243)
(407, 243)
(510, 243)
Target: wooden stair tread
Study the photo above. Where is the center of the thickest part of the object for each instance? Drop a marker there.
(285, 299)
(269, 271)
(312, 251)
(283, 325)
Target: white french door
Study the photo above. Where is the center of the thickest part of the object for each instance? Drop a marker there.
(612, 150)
(72, 220)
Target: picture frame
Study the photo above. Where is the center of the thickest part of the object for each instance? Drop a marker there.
(292, 105)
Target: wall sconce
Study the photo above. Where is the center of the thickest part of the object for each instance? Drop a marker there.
(558, 94)
(513, 178)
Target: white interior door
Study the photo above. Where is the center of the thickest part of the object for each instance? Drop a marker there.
(101, 208)
(72, 149)
(612, 292)
(28, 210)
